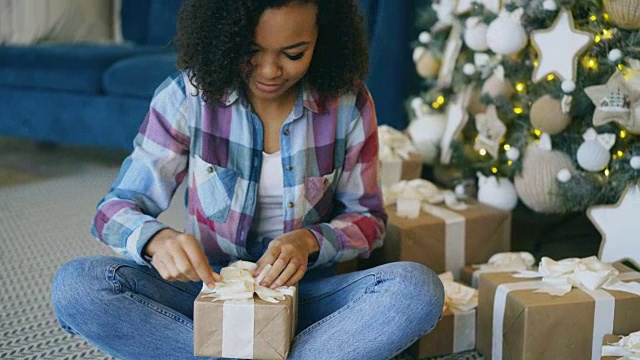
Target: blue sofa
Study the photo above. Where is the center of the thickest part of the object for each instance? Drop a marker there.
(98, 95)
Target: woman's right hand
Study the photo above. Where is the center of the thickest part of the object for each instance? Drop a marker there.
(178, 256)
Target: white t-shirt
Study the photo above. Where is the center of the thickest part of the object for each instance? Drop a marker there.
(268, 220)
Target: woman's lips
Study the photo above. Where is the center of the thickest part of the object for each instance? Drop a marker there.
(268, 88)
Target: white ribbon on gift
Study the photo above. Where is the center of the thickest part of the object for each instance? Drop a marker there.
(395, 147)
(413, 193)
(503, 262)
(628, 347)
(462, 301)
(589, 275)
(237, 290)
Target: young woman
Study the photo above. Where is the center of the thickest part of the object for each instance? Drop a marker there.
(270, 124)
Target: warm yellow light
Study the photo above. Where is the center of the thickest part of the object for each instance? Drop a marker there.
(517, 110)
(596, 39)
(551, 77)
(536, 63)
(614, 156)
(620, 153)
(510, 162)
(483, 152)
(440, 100)
(620, 67)
(506, 147)
(494, 170)
(537, 132)
(605, 16)
(606, 34)
(623, 134)
(593, 18)
(606, 172)
(435, 105)
(520, 87)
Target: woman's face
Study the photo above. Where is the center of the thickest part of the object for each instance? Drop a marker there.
(282, 50)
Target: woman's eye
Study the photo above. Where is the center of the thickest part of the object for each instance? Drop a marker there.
(294, 57)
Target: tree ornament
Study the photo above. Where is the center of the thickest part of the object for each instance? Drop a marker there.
(469, 69)
(593, 154)
(568, 86)
(457, 118)
(474, 105)
(497, 192)
(537, 184)
(564, 175)
(513, 154)
(614, 55)
(426, 130)
(547, 116)
(632, 75)
(624, 13)
(475, 34)
(424, 37)
(444, 12)
(465, 5)
(490, 130)
(619, 227)
(497, 85)
(427, 66)
(635, 162)
(549, 5)
(615, 102)
(505, 34)
(558, 48)
(451, 53)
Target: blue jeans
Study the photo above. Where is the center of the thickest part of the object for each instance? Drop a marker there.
(130, 312)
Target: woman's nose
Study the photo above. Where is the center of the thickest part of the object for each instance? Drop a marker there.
(269, 69)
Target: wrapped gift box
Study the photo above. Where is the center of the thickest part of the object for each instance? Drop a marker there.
(454, 333)
(446, 240)
(392, 171)
(610, 339)
(514, 322)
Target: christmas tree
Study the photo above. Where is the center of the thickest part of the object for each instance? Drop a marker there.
(540, 100)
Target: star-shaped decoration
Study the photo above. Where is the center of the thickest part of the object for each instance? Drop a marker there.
(490, 130)
(457, 118)
(614, 102)
(466, 5)
(619, 227)
(558, 48)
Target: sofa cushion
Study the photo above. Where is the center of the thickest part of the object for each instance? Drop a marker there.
(77, 68)
(138, 76)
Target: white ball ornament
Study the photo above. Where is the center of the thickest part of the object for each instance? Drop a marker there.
(497, 192)
(614, 55)
(513, 154)
(564, 175)
(635, 162)
(469, 69)
(549, 5)
(475, 34)
(506, 35)
(424, 37)
(593, 153)
(426, 131)
(568, 86)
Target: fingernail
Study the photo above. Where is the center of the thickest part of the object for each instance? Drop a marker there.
(273, 286)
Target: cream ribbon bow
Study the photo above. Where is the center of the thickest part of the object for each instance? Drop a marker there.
(394, 145)
(559, 277)
(458, 297)
(411, 194)
(628, 347)
(239, 283)
(508, 261)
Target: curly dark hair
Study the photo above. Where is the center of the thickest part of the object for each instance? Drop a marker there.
(214, 39)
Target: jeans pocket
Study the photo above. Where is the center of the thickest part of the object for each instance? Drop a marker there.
(215, 187)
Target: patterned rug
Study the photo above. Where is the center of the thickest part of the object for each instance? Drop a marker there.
(44, 222)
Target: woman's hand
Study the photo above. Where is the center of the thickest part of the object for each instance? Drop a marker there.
(288, 254)
(178, 256)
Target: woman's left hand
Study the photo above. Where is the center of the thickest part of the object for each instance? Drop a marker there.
(288, 254)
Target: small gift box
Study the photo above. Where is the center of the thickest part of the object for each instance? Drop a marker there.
(230, 321)
(431, 227)
(399, 158)
(615, 347)
(500, 262)
(456, 331)
(563, 316)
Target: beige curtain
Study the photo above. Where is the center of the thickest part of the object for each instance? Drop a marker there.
(60, 21)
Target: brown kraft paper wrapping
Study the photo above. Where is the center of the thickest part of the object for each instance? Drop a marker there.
(274, 327)
(541, 326)
(422, 240)
(607, 340)
(438, 342)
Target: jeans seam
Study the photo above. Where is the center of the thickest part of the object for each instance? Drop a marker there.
(159, 309)
(117, 287)
(377, 277)
(327, 318)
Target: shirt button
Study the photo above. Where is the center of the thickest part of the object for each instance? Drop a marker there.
(289, 168)
(210, 169)
(290, 204)
(286, 132)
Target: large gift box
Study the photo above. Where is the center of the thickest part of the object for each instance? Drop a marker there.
(456, 331)
(500, 262)
(444, 239)
(563, 316)
(394, 170)
(240, 319)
